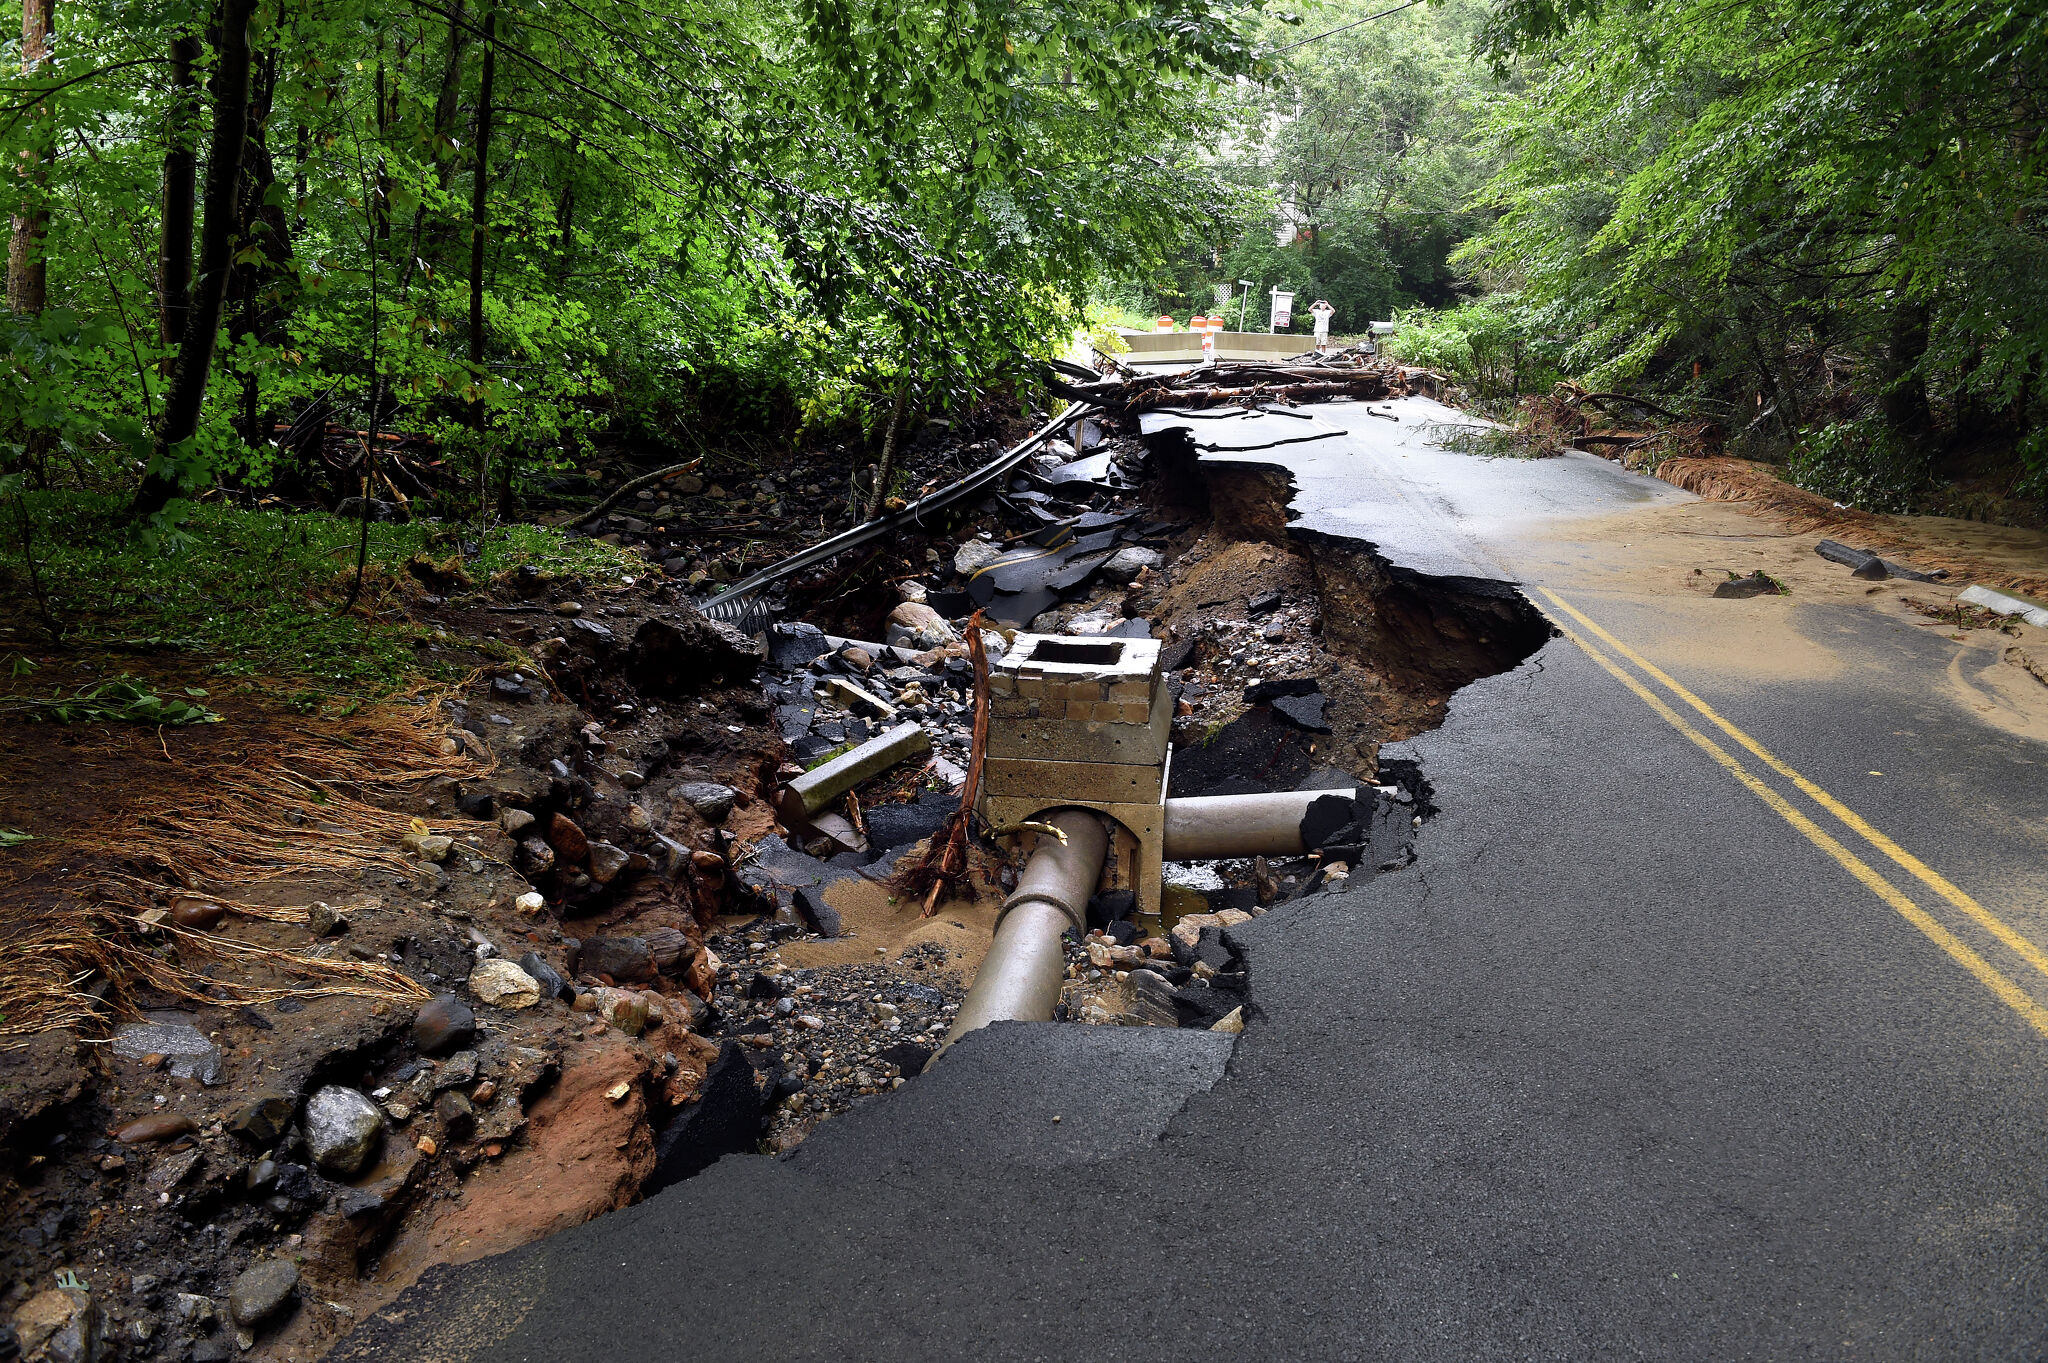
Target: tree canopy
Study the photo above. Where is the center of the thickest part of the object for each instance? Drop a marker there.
(508, 224)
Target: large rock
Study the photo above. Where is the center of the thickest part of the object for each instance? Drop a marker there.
(606, 861)
(974, 554)
(1125, 564)
(685, 652)
(59, 1325)
(261, 1121)
(918, 627)
(712, 801)
(342, 1130)
(455, 1112)
(567, 839)
(158, 1126)
(442, 1025)
(174, 1037)
(536, 858)
(261, 1290)
(503, 984)
(624, 959)
(1094, 622)
(546, 976)
(625, 1009)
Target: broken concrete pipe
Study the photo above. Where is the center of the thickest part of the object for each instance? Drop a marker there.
(1019, 979)
(1212, 827)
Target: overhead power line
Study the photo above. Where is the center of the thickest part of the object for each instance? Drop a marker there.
(1299, 42)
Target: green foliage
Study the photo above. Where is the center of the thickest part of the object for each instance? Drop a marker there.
(698, 221)
(132, 699)
(255, 593)
(1353, 166)
(1863, 464)
(1487, 344)
(1807, 213)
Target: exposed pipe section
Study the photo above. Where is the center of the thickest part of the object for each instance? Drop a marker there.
(1209, 827)
(1019, 979)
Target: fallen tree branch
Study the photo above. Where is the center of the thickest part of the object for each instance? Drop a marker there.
(1644, 403)
(634, 485)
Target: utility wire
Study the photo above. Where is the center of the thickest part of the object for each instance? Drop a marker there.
(1299, 42)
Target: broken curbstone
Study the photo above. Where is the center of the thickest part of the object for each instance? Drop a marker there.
(825, 783)
(2006, 603)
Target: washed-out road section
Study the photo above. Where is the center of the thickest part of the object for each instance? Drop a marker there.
(1653, 1052)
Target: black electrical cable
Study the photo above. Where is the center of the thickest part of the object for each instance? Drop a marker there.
(1300, 42)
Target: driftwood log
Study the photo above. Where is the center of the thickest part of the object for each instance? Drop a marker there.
(1239, 382)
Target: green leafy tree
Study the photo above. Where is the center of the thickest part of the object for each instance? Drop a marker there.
(1826, 212)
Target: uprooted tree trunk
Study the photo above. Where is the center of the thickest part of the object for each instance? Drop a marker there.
(179, 421)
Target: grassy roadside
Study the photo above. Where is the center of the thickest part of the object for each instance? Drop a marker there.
(256, 594)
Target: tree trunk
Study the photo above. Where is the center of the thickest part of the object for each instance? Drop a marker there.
(380, 206)
(449, 101)
(179, 420)
(181, 174)
(479, 218)
(261, 226)
(565, 210)
(27, 276)
(430, 237)
(1904, 401)
(886, 470)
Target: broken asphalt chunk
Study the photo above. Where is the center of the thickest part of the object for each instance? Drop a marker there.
(1304, 712)
(1281, 686)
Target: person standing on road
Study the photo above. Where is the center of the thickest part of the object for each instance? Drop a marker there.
(1322, 312)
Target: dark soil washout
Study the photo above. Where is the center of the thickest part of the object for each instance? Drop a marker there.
(1293, 657)
(1267, 618)
(534, 859)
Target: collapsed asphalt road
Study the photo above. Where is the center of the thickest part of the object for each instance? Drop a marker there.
(1651, 1052)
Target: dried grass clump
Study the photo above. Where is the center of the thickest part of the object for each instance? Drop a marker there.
(216, 826)
(1721, 478)
(44, 965)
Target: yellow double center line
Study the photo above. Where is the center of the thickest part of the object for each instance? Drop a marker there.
(1987, 974)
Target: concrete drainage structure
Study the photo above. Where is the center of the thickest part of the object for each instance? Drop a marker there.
(1083, 723)
(1077, 760)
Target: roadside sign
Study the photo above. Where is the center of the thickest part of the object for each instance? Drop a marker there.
(1283, 310)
